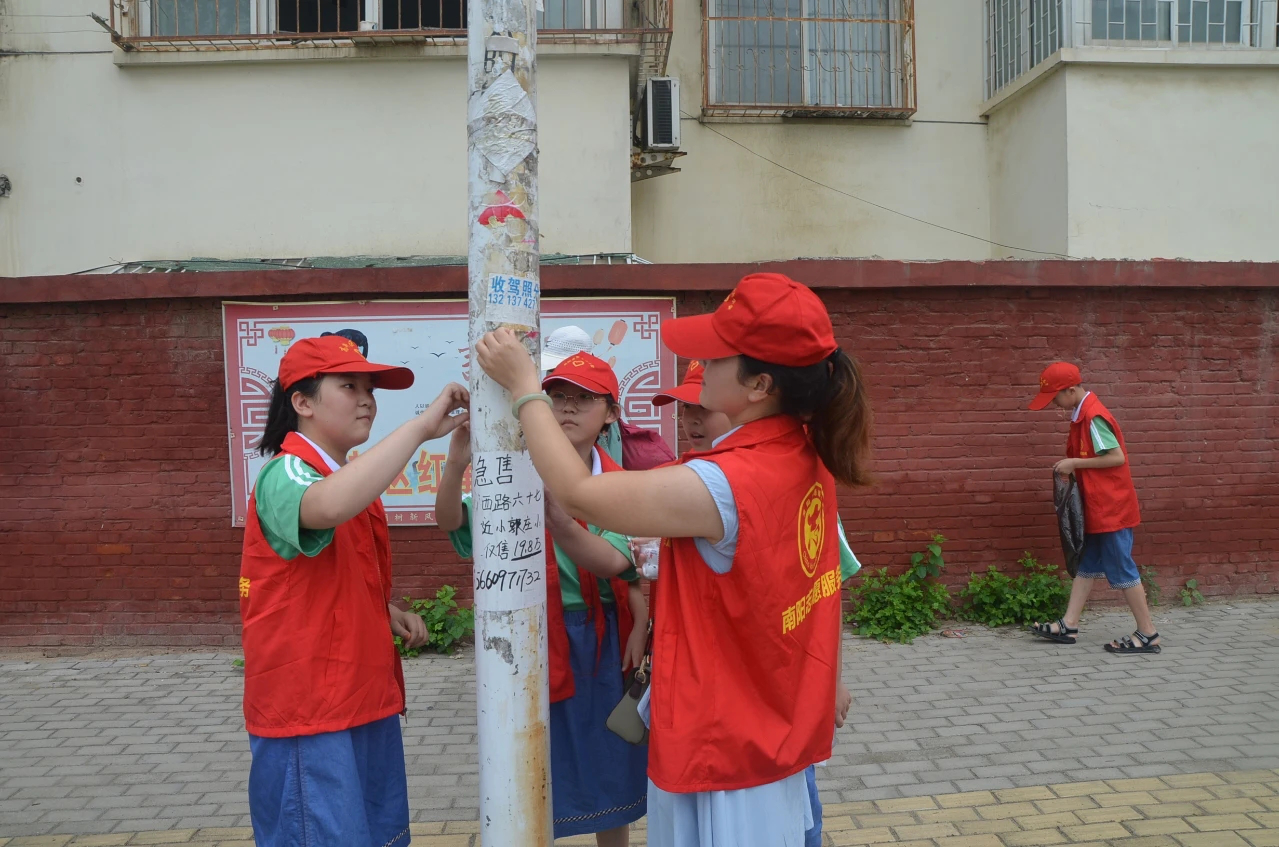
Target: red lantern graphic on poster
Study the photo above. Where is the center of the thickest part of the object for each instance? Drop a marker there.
(282, 335)
(616, 333)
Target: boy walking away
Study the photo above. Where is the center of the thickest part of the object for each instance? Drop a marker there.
(1097, 456)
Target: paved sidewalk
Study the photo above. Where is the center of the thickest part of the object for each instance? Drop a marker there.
(945, 733)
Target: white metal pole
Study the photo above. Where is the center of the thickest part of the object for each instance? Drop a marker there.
(507, 510)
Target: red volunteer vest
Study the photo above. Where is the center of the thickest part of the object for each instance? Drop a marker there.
(1110, 499)
(743, 687)
(561, 670)
(318, 650)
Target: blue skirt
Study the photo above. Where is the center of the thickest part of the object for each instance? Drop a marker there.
(598, 781)
(337, 788)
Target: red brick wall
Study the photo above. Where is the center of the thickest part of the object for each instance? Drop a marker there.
(114, 497)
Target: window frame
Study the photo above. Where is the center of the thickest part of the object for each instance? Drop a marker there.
(902, 73)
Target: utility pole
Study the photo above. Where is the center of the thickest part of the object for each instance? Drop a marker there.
(508, 523)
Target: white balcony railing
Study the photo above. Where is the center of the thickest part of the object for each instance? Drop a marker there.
(1022, 33)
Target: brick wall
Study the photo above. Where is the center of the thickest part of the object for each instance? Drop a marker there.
(114, 496)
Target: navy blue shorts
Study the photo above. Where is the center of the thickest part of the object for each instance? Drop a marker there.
(813, 837)
(343, 788)
(598, 781)
(1109, 554)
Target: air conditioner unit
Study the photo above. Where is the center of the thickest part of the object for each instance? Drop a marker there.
(661, 114)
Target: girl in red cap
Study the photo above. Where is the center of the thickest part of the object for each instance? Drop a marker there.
(323, 687)
(704, 429)
(596, 616)
(743, 690)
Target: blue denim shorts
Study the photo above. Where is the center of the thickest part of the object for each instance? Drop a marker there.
(1109, 554)
(343, 788)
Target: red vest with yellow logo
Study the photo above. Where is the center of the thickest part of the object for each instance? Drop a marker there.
(318, 651)
(744, 664)
(1110, 499)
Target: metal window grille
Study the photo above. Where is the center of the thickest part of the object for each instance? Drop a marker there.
(1022, 33)
(810, 57)
(1019, 35)
(160, 18)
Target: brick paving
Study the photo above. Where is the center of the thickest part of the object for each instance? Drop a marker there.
(992, 740)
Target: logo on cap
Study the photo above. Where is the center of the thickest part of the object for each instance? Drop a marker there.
(731, 300)
(579, 362)
(348, 347)
(812, 528)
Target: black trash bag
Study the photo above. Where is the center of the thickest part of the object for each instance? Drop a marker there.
(1070, 519)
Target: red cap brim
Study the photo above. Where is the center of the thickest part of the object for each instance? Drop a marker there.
(690, 393)
(589, 385)
(695, 338)
(1042, 399)
(388, 377)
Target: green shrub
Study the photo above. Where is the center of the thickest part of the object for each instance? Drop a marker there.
(995, 599)
(1153, 592)
(902, 607)
(446, 624)
(1190, 595)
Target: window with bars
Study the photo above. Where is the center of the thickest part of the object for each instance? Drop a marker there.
(1022, 33)
(810, 56)
(160, 18)
(1155, 21)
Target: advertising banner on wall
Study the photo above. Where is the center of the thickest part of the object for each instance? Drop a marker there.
(428, 336)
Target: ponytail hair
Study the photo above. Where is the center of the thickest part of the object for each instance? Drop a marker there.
(281, 417)
(831, 398)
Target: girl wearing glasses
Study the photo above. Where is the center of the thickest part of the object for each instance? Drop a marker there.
(596, 617)
(743, 686)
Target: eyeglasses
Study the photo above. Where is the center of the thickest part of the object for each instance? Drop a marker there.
(583, 400)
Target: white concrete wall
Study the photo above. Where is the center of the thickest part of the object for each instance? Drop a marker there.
(276, 159)
(729, 205)
(1028, 172)
(1174, 162)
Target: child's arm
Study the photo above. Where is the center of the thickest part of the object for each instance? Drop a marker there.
(343, 495)
(633, 653)
(1112, 458)
(586, 549)
(449, 513)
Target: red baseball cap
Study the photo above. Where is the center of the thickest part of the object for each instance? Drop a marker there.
(333, 354)
(1056, 377)
(769, 317)
(585, 371)
(689, 391)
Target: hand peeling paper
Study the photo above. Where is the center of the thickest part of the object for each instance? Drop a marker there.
(503, 124)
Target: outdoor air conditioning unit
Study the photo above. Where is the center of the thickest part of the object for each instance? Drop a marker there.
(661, 114)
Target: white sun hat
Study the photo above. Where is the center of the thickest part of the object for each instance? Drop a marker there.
(562, 343)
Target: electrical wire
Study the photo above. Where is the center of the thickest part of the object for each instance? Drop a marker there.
(821, 184)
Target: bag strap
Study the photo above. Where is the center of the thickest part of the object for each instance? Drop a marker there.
(646, 664)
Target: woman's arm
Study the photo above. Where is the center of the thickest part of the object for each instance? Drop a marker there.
(344, 494)
(669, 502)
(449, 513)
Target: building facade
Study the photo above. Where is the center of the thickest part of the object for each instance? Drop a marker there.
(135, 130)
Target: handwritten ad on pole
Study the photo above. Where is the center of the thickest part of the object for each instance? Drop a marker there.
(508, 530)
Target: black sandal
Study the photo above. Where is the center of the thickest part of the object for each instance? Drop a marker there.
(1063, 635)
(1128, 645)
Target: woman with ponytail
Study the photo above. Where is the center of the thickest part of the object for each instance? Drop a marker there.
(744, 662)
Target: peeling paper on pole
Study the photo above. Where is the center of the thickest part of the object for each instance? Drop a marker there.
(508, 531)
(503, 125)
(512, 300)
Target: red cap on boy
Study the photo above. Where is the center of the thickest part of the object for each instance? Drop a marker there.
(769, 317)
(1056, 377)
(585, 371)
(333, 354)
(688, 391)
